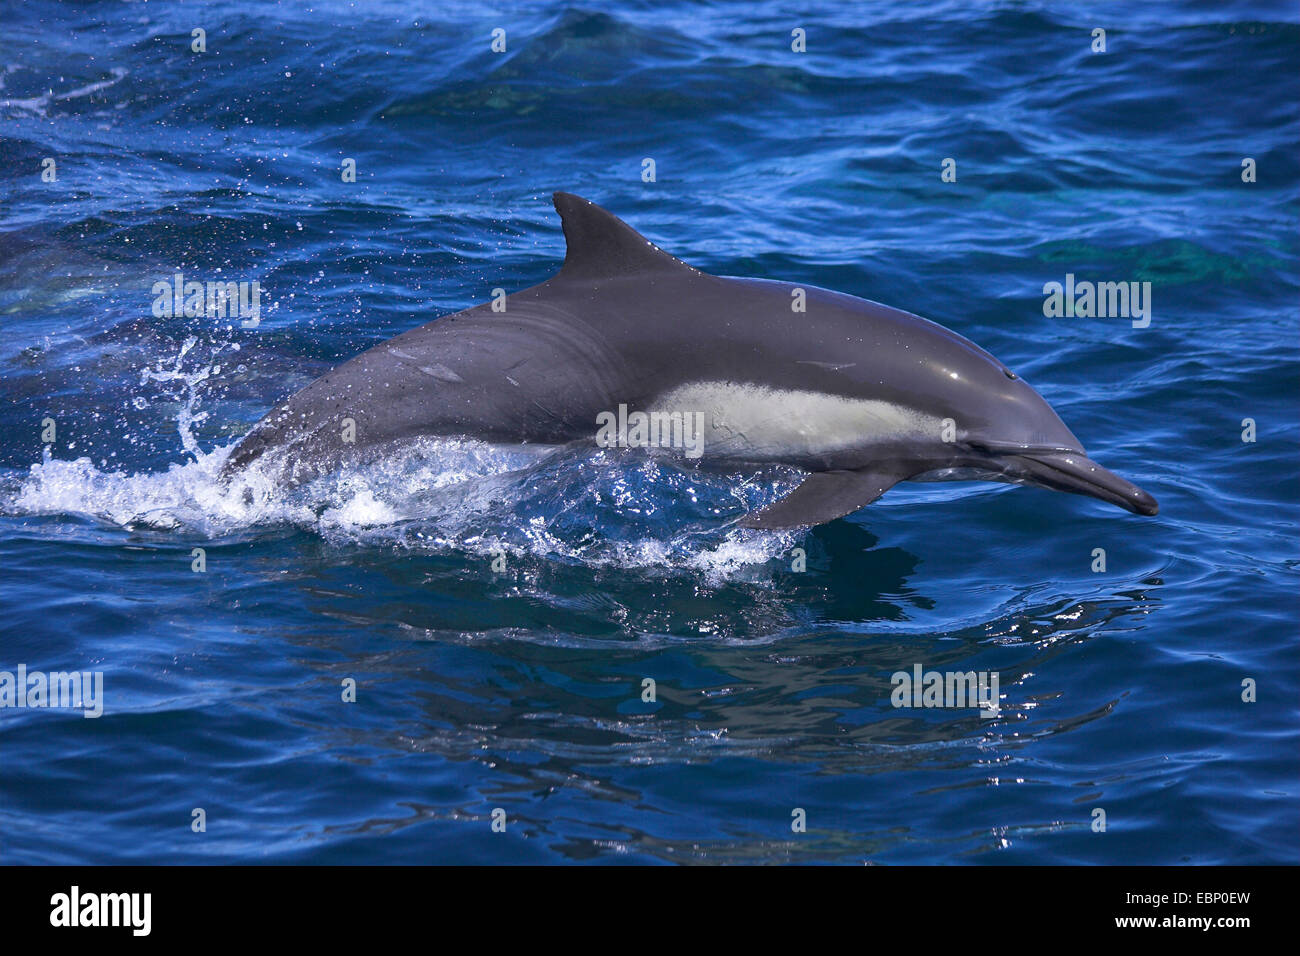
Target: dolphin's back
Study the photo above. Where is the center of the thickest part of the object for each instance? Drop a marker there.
(530, 374)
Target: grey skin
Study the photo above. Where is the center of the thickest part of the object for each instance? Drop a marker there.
(861, 395)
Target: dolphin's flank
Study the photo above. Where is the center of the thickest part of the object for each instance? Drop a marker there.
(861, 395)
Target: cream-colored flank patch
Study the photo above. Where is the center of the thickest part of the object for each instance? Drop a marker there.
(751, 420)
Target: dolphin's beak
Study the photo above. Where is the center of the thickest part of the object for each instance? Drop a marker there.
(1077, 473)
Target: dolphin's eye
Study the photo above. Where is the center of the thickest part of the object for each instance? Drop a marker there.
(1009, 374)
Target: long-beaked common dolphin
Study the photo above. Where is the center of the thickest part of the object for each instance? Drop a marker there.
(861, 395)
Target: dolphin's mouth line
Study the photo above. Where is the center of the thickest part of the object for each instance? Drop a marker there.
(1011, 448)
(1075, 472)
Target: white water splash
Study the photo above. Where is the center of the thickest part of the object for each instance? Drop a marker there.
(191, 381)
(429, 495)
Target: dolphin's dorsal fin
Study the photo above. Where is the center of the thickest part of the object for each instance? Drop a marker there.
(602, 246)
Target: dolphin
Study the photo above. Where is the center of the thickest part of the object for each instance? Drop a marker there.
(858, 394)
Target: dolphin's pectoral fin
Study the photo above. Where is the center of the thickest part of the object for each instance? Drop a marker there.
(825, 496)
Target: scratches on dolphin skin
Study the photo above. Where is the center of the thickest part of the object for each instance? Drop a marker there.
(830, 366)
(442, 373)
(558, 339)
(436, 370)
(550, 414)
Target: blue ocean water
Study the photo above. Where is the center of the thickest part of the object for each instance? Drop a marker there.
(521, 690)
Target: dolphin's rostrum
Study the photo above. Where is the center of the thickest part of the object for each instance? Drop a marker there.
(861, 395)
